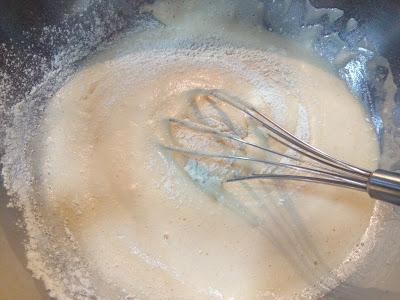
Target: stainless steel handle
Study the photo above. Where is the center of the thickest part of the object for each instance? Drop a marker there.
(384, 185)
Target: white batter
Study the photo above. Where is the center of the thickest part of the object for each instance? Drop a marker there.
(140, 225)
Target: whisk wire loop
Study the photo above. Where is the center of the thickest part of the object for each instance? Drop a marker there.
(310, 163)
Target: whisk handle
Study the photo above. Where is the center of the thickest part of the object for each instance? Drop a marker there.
(384, 185)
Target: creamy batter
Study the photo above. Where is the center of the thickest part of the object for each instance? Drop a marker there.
(138, 222)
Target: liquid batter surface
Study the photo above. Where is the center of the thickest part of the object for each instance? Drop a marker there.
(117, 216)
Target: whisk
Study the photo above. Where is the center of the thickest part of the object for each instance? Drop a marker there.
(307, 164)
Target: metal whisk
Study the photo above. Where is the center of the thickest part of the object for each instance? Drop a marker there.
(308, 164)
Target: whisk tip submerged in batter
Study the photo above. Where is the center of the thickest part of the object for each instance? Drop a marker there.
(306, 164)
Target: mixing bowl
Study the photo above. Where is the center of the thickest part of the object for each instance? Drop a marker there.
(45, 41)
